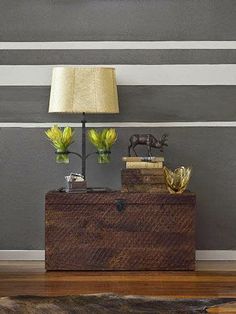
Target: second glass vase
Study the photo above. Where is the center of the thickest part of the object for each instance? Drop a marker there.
(104, 156)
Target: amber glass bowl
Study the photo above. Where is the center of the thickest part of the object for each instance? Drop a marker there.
(177, 180)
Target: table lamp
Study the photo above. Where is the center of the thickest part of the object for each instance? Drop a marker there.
(83, 90)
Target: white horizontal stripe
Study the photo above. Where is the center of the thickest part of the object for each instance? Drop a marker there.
(37, 255)
(210, 124)
(120, 45)
(220, 74)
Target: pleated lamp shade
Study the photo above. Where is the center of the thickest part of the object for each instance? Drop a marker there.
(88, 90)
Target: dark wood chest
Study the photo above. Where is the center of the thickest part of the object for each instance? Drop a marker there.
(120, 231)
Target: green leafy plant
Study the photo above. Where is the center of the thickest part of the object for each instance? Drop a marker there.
(103, 142)
(61, 139)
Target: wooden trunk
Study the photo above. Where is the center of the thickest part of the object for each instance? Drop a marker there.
(120, 231)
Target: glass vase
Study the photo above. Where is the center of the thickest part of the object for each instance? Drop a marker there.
(104, 156)
(62, 157)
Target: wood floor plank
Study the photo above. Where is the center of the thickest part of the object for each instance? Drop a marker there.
(30, 278)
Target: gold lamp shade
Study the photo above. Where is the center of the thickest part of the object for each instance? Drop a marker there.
(83, 90)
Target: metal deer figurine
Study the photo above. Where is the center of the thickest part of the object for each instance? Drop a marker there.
(148, 140)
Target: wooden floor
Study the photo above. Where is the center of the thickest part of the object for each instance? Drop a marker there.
(212, 279)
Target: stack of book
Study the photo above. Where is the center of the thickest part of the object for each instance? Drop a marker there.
(143, 174)
(143, 162)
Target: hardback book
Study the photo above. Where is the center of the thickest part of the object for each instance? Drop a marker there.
(142, 176)
(145, 188)
(137, 159)
(143, 164)
(144, 172)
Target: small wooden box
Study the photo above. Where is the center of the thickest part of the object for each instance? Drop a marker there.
(120, 231)
(75, 186)
(143, 180)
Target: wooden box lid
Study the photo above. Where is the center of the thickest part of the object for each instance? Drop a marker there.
(55, 197)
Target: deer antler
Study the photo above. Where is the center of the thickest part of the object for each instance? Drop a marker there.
(164, 139)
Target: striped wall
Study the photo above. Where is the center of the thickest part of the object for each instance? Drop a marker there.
(176, 71)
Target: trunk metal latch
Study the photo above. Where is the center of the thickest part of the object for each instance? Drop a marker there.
(120, 204)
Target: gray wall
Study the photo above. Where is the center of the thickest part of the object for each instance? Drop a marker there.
(59, 20)
(27, 165)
